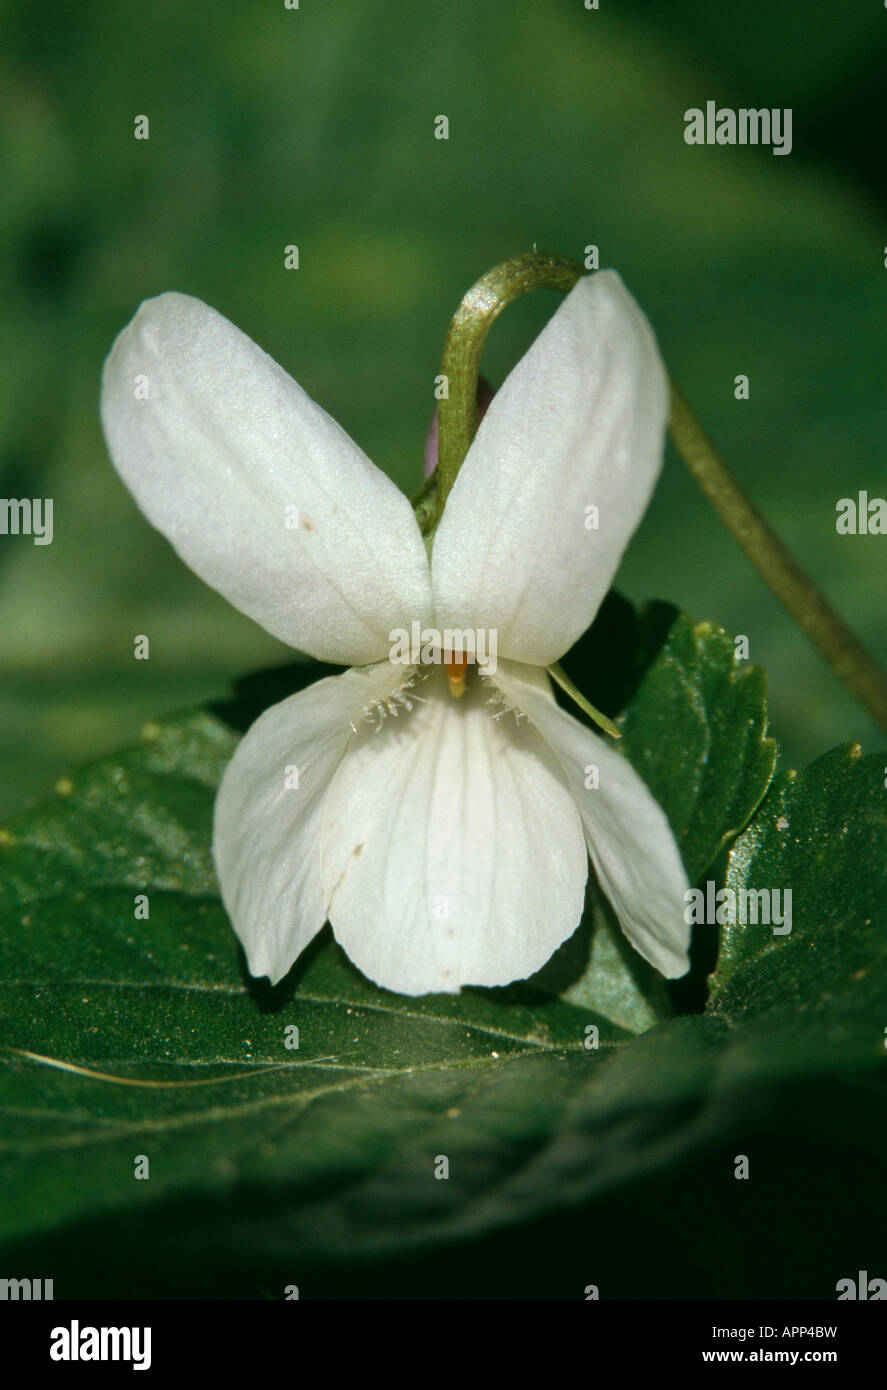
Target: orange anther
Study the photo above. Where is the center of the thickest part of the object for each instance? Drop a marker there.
(455, 667)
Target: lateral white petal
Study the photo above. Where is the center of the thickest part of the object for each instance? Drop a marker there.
(452, 850)
(266, 835)
(257, 488)
(629, 839)
(578, 423)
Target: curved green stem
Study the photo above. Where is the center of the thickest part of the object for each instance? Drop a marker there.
(460, 364)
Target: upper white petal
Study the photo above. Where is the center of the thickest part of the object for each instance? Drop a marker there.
(578, 423)
(630, 842)
(452, 850)
(225, 443)
(266, 835)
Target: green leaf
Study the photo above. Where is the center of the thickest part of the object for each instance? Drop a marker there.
(821, 836)
(126, 1036)
(270, 1164)
(696, 732)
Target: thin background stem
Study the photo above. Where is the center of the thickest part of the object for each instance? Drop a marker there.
(842, 650)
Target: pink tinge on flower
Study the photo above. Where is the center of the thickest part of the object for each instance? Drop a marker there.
(485, 394)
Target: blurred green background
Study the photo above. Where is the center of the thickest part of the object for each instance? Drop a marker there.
(314, 126)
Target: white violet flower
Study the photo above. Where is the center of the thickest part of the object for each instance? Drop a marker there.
(445, 839)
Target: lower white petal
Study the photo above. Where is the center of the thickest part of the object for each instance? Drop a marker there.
(452, 850)
(630, 842)
(266, 833)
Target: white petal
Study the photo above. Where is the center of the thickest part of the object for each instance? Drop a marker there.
(266, 836)
(629, 839)
(223, 446)
(578, 423)
(452, 850)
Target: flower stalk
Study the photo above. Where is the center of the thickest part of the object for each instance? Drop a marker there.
(460, 364)
(828, 632)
